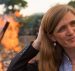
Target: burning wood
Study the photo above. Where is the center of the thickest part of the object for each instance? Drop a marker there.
(3, 30)
(9, 29)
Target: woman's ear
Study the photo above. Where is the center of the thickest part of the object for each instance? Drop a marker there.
(52, 37)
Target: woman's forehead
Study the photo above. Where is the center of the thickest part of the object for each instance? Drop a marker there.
(68, 18)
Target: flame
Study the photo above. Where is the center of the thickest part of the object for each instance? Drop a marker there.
(17, 13)
(1, 22)
(1, 66)
(10, 40)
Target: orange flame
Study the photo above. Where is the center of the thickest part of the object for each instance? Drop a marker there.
(17, 13)
(1, 66)
(10, 40)
(1, 21)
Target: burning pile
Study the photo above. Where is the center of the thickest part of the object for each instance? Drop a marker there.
(10, 39)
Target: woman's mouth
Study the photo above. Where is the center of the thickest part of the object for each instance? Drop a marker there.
(72, 39)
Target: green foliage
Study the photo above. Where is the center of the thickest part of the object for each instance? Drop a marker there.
(72, 3)
(33, 18)
(32, 23)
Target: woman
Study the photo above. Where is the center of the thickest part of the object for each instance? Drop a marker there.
(55, 43)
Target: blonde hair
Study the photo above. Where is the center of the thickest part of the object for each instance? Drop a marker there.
(50, 56)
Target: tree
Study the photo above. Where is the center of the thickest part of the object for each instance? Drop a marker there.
(72, 3)
(12, 3)
(32, 22)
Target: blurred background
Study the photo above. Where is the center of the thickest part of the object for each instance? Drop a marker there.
(24, 17)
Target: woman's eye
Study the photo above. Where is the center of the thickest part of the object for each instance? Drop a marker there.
(72, 23)
(62, 29)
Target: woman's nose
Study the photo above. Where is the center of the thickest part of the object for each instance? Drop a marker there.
(70, 30)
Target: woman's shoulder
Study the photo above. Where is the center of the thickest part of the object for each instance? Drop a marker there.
(32, 66)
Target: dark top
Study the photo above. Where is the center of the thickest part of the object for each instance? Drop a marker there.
(20, 61)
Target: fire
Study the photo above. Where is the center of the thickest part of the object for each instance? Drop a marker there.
(1, 22)
(17, 13)
(1, 66)
(10, 40)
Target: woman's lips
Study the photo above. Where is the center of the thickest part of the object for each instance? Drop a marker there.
(72, 39)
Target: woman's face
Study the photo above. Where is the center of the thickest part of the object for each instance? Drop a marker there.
(64, 32)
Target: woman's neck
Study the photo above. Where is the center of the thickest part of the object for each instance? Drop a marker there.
(71, 54)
